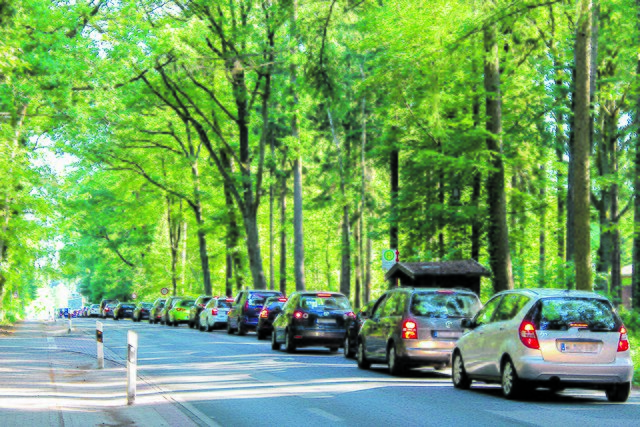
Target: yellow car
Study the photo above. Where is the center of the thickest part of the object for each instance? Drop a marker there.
(179, 313)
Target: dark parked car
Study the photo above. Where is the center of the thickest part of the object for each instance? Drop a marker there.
(108, 310)
(415, 327)
(194, 313)
(312, 319)
(155, 313)
(353, 327)
(104, 303)
(123, 310)
(270, 310)
(245, 310)
(142, 311)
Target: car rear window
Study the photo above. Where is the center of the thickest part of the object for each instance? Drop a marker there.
(128, 306)
(224, 303)
(444, 305)
(186, 303)
(147, 305)
(562, 313)
(320, 303)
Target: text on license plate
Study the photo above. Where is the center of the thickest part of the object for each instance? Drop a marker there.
(447, 334)
(578, 347)
(327, 321)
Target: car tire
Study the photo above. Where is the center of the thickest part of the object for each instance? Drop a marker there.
(396, 366)
(349, 351)
(361, 357)
(618, 392)
(202, 328)
(458, 373)
(512, 386)
(333, 349)
(275, 345)
(230, 330)
(242, 330)
(116, 318)
(210, 327)
(289, 345)
(261, 335)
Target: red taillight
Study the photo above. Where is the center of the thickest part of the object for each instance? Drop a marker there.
(179, 309)
(528, 335)
(229, 300)
(246, 305)
(264, 313)
(282, 299)
(106, 309)
(300, 315)
(623, 343)
(324, 295)
(409, 330)
(350, 314)
(214, 311)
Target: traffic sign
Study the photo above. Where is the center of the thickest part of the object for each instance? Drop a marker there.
(134, 295)
(389, 258)
(164, 291)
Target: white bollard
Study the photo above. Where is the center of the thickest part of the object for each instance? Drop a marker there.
(70, 321)
(99, 342)
(132, 366)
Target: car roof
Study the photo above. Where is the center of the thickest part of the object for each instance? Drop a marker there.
(434, 290)
(549, 292)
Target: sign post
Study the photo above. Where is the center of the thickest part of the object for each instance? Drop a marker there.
(100, 344)
(390, 257)
(132, 366)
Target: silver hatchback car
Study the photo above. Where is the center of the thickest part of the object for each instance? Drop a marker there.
(414, 327)
(551, 338)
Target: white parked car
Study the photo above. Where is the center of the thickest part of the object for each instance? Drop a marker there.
(214, 314)
(552, 338)
(94, 310)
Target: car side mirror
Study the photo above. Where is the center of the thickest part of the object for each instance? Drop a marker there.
(468, 324)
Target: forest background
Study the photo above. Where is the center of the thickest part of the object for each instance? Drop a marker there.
(208, 146)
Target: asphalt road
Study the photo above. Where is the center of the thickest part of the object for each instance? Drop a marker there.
(231, 380)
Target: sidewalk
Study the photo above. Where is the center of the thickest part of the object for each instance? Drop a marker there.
(49, 377)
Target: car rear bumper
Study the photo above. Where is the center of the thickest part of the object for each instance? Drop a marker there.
(426, 351)
(310, 337)
(536, 369)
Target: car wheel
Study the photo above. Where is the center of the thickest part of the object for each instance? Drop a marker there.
(230, 330)
(202, 328)
(396, 367)
(261, 334)
(333, 349)
(363, 363)
(511, 385)
(275, 345)
(348, 350)
(116, 318)
(151, 322)
(289, 345)
(210, 327)
(618, 392)
(191, 325)
(242, 330)
(458, 374)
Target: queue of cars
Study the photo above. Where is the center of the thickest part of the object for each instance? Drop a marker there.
(521, 339)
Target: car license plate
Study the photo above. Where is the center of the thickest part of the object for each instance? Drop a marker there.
(326, 321)
(447, 334)
(578, 347)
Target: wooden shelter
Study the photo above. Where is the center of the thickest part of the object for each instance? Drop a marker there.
(445, 274)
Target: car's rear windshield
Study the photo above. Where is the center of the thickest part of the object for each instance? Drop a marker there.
(444, 305)
(325, 303)
(562, 313)
(128, 306)
(224, 303)
(186, 303)
(147, 305)
(258, 299)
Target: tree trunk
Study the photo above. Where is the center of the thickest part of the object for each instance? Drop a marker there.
(498, 234)
(635, 261)
(283, 232)
(582, 182)
(297, 225)
(395, 188)
(202, 238)
(542, 276)
(356, 261)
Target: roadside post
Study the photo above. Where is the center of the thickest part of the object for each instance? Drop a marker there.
(132, 366)
(70, 325)
(99, 342)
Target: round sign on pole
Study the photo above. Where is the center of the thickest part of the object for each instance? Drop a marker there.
(134, 295)
(164, 291)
